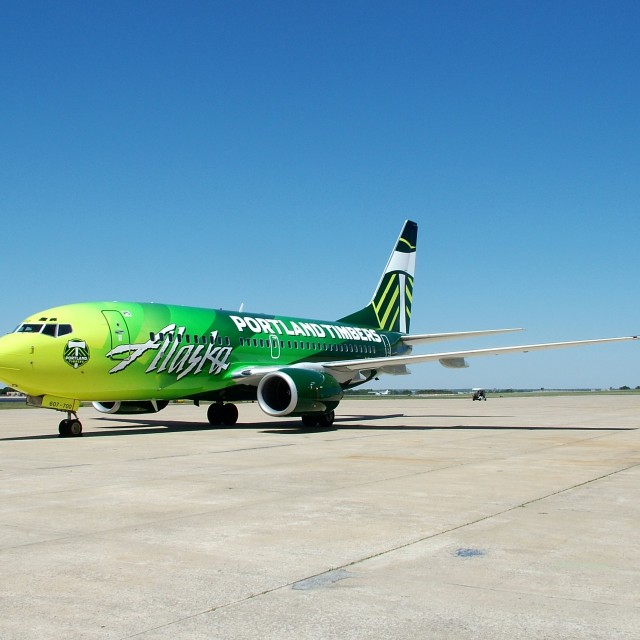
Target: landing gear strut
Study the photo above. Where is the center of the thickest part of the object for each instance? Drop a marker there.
(222, 414)
(70, 427)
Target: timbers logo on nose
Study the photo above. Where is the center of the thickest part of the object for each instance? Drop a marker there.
(76, 353)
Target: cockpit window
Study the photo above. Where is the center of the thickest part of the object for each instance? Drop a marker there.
(49, 329)
(30, 328)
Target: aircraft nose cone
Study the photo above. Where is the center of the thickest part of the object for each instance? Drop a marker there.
(14, 358)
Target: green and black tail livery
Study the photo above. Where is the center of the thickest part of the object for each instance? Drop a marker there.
(390, 307)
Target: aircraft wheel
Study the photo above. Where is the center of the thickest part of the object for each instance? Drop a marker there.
(310, 420)
(64, 429)
(75, 428)
(326, 419)
(70, 428)
(229, 414)
(214, 413)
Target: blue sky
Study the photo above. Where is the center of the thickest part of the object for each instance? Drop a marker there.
(267, 153)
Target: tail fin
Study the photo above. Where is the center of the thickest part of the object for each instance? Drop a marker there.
(390, 307)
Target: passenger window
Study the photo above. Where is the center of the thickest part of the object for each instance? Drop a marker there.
(227, 341)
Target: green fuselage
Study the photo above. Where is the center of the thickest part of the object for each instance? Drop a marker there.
(106, 351)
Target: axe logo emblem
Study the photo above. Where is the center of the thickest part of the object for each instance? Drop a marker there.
(76, 353)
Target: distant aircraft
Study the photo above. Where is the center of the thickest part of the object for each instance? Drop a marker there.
(380, 393)
(133, 357)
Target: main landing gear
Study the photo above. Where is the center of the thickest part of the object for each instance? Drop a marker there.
(70, 427)
(222, 414)
(323, 420)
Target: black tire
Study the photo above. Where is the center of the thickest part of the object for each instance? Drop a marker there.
(214, 413)
(64, 429)
(75, 428)
(229, 414)
(310, 421)
(326, 419)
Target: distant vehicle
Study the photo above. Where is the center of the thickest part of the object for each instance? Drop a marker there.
(380, 393)
(479, 394)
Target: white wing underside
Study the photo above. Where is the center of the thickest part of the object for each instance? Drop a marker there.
(441, 337)
(449, 358)
(346, 370)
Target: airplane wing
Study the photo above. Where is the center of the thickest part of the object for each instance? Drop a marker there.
(455, 359)
(397, 364)
(439, 337)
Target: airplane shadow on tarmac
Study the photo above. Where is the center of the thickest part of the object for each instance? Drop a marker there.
(133, 426)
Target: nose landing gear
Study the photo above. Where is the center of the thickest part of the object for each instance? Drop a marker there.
(70, 427)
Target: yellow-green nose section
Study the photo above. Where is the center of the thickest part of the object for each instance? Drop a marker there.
(16, 354)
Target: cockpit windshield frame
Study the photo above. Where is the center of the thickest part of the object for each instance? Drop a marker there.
(54, 330)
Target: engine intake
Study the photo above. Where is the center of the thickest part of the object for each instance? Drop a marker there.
(131, 406)
(297, 392)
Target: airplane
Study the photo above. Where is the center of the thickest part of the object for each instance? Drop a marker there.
(136, 357)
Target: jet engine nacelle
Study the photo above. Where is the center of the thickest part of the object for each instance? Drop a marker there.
(298, 392)
(131, 406)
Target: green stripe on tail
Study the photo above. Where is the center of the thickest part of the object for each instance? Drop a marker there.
(390, 307)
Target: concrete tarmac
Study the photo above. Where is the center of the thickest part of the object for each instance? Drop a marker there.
(440, 519)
